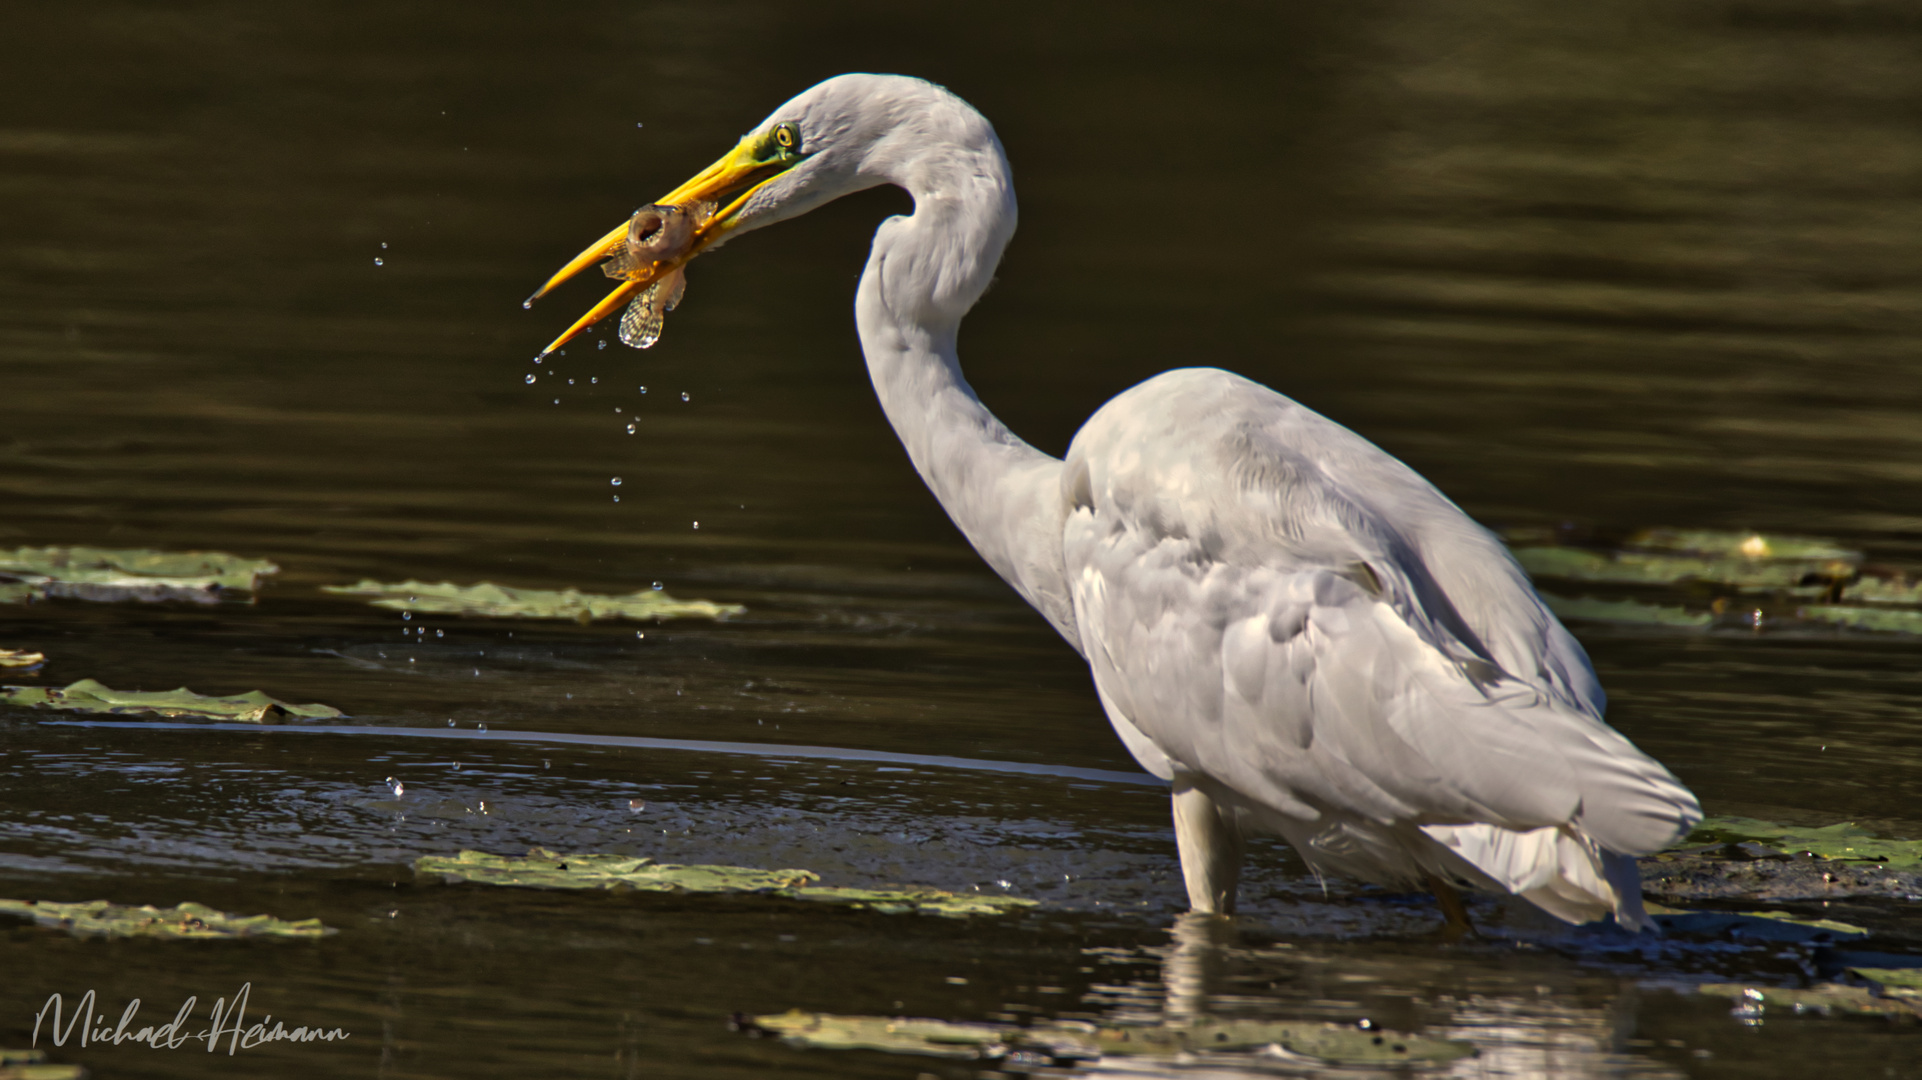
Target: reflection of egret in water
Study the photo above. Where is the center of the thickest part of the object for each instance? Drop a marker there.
(1300, 633)
(1520, 1027)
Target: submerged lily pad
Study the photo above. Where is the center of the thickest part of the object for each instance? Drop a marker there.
(543, 869)
(501, 602)
(1073, 1040)
(187, 920)
(21, 659)
(1625, 611)
(1836, 842)
(89, 696)
(33, 1065)
(107, 574)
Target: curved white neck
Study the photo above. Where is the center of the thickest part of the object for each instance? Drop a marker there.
(925, 271)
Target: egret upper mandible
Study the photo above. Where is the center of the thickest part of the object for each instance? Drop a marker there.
(1288, 624)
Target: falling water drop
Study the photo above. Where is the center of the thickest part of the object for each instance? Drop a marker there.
(570, 382)
(406, 616)
(602, 345)
(657, 586)
(379, 262)
(530, 377)
(438, 633)
(593, 379)
(617, 481)
(697, 524)
(396, 787)
(617, 498)
(450, 721)
(684, 396)
(643, 389)
(631, 429)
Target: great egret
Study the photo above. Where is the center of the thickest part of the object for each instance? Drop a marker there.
(1287, 623)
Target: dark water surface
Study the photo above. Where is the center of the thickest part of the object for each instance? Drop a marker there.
(1614, 265)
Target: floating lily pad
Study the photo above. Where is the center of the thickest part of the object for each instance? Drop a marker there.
(1903, 983)
(1071, 1040)
(1837, 842)
(543, 869)
(189, 920)
(33, 1065)
(1887, 620)
(501, 602)
(88, 696)
(1823, 997)
(1758, 926)
(1641, 568)
(1884, 590)
(21, 659)
(1625, 611)
(1745, 545)
(104, 574)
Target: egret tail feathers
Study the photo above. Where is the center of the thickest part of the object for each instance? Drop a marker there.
(1555, 868)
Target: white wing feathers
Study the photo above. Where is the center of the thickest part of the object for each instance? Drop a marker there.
(1292, 616)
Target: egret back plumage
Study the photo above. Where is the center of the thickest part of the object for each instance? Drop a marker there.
(1291, 626)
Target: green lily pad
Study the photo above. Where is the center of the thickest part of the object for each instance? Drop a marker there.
(1744, 545)
(544, 869)
(21, 659)
(189, 920)
(501, 602)
(1639, 568)
(1885, 590)
(89, 696)
(1625, 611)
(1905, 983)
(1822, 997)
(1841, 842)
(1757, 926)
(33, 1065)
(105, 574)
(1888, 620)
(1334, 1044)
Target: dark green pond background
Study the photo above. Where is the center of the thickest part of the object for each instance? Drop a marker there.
(1616, 264)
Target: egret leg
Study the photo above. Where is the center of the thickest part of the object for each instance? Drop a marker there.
(1210, 846)
(1452, 908)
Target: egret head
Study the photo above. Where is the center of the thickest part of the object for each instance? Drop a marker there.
(848, 133)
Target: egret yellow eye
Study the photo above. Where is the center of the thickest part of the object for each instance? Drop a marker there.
(787, 137)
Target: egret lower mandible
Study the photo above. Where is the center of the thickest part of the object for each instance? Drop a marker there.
(1291, 626)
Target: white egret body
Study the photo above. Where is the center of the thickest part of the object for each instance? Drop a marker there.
(1290, 625)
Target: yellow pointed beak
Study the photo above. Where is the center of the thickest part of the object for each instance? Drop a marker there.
(746, 166)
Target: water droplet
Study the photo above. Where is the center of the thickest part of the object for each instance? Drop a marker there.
(570, 382)
(684, 395)
(396, 787)
(617, 498)
(643, 389)
(697, 524)
(631, 428)
(450, 721)
(640, 125)
(563, 352)
(378, 262)
(539, 358)
(530, 376)
(437, 633)
(557, 401)
(617, 481)
(593, 380)
(642, 634)
(657, 586)
(637, 805)
(483, 727)
(617, 408)
(602, 345)
(383, 245)
(406, 616)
